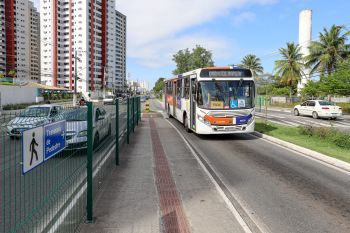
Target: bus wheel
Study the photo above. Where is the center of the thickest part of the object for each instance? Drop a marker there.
(186, 124)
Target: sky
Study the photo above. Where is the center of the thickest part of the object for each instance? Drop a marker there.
(230, 29)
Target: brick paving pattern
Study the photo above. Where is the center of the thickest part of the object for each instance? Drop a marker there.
(173, 215)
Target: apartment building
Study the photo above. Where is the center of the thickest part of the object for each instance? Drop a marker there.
(82, 27)
(19, 48)
(120, 68)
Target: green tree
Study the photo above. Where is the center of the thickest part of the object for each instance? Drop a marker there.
(183, 61)
(331, 48)
(12, 73)
(290, 67)
(312, 88)
(338, 83)
(253, 63)
(187, 60)
(200, 57)
(158, 86)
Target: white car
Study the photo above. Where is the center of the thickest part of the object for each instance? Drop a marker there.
(76, 135)
(109, 99)
(31, 117)
(318, 109)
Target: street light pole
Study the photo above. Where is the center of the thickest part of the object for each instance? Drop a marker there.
(75, 79)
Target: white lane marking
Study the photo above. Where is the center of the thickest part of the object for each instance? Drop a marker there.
(217, 186)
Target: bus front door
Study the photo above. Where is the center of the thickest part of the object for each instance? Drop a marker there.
(193, 103)
(174, 98)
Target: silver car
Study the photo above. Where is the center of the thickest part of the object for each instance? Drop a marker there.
(76, 134)
(31, 117)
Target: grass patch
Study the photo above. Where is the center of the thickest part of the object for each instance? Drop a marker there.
(345, 107)
(326, 141)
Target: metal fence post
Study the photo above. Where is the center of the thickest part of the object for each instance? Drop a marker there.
(117, 132)
(137, 110)
(140, 108)
(133, 114)
(128, 120)
(89, 162)
(139, 103)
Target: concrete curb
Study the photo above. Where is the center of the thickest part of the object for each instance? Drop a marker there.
(307, 152)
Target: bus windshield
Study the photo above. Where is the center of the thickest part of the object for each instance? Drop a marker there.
(233, 94)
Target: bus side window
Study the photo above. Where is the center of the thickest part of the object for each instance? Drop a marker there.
(178, 87)
(187, 88)
(169, 88)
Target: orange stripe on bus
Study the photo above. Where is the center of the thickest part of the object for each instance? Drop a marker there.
(218, 120)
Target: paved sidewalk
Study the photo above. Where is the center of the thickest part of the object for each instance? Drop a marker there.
(159, 187)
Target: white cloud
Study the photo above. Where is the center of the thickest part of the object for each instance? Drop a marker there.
(244, 17)
(153, 26)
(159, 53)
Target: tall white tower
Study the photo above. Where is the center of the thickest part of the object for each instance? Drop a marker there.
(305, 32)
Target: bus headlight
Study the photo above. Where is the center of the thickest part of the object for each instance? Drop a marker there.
(201, 119)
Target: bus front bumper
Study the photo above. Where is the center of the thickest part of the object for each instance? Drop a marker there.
(224, 129)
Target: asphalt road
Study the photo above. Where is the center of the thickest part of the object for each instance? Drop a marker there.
(273, 187)
(287, 118)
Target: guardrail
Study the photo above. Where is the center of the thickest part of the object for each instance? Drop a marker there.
(52, 163)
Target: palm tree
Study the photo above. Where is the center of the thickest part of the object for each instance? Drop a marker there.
(291, 67)
(253, 63)
(331, 49)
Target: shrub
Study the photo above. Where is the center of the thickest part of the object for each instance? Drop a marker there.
(323, 132)
(342, 140)
(306, 130)
(338, 138)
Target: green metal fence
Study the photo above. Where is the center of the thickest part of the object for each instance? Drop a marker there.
(58, 194)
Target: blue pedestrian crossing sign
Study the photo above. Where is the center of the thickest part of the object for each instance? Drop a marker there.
(32, 149)
(42, 143)
(54, 138)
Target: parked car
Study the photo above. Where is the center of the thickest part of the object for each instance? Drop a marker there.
(109, 99)
(76, 131)
(318, 109)
(31, 117)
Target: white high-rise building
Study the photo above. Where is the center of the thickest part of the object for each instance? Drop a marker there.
(85, 27)
(305, 34)
(19, 48)
(120, 69)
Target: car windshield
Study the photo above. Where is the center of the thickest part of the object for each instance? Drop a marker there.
(326, 103)
(226, 94)
(73, 115)
(36, 112)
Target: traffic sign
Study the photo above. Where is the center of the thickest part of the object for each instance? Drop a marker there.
(41, 143)
(54, 138)
(32, 149)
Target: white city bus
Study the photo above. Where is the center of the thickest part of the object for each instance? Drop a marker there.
(213, 100)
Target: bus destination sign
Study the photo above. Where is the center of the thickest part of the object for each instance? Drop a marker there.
(226, 73)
